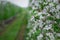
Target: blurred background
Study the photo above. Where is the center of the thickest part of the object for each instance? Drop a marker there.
(13, 19)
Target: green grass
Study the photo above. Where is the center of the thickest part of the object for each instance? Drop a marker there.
(12, 29)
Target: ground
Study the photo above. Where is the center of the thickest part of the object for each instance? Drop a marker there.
(15, 29)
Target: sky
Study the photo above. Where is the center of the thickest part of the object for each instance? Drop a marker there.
(21, 3)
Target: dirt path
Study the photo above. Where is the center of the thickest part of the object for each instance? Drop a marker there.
(21, 33)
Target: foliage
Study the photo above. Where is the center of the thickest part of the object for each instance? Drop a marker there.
(44, 16)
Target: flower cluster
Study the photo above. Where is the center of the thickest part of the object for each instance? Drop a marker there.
(44, 23)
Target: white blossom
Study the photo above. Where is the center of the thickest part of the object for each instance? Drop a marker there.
(40, 37)
(51, 4)
(58, 7)
(51, 36)
(47, 27)
(42, 23)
